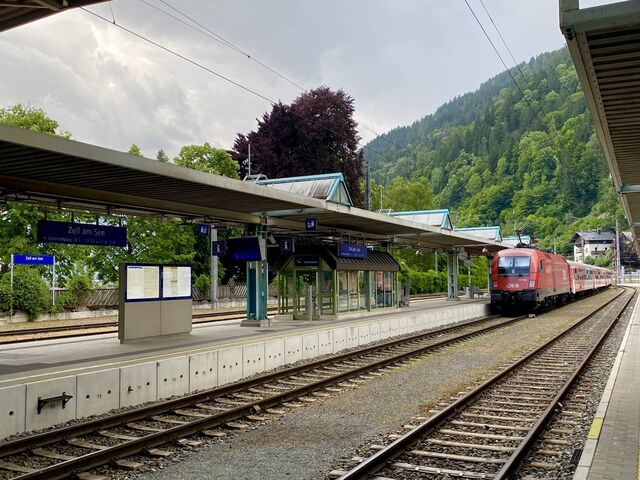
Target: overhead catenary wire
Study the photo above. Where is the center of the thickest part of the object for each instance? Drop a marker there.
(524, 97)
(204, 30)
(506, 45)
(526, 79)
(209, 70)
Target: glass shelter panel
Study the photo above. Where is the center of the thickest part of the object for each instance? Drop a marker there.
(327, 290)
(343, 292)
(362, 289)
(353, 290)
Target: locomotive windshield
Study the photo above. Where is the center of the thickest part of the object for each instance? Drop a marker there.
(513, 266)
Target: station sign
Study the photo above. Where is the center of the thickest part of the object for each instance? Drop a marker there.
(307, 261)
(81, 234)
(218, 248)
(286, 245)
(311, 224)
(25, 259)
(203, 230)
(351, 250)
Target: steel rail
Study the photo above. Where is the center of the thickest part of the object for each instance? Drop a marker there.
(45, 438)
(382, 457)
(94, 459)
(518, 455)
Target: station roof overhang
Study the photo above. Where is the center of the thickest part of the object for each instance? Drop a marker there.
(14, 13)
(50, 170)
(604, 43)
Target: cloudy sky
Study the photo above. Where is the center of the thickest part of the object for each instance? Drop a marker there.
(399, 60)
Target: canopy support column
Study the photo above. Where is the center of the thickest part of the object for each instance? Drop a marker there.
(452, 276)
(257, 290)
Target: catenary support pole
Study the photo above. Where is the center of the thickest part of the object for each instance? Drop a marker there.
(213, 294)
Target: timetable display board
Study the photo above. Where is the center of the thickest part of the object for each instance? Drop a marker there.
(157, 282)
(176, 282)
(143, 282)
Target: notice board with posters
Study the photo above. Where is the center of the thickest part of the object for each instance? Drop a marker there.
(155, 300)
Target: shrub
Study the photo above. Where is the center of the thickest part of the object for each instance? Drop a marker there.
(30, 293)
(78, 286)
(203, 283)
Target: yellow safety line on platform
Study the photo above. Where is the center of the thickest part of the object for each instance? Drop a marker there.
(596, 427)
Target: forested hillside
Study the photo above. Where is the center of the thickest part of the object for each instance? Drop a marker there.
(494, 158)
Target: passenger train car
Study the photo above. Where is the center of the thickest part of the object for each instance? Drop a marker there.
(525, 279)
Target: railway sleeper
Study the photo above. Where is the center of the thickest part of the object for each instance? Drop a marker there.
(502, 410)
(487, 426)
(491, 436)
(441, 471)
(497, 417)
(477, 446)
(12, 467)
(461, 458)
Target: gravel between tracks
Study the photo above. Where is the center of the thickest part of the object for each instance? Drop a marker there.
(306, 443)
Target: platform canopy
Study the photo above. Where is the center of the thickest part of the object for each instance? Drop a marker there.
(50, 170)
(604, 42)
(14, 13)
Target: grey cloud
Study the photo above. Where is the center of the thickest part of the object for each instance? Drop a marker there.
(399, 60)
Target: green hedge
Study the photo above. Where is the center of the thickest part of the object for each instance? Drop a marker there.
(432, 282)
(30, 293)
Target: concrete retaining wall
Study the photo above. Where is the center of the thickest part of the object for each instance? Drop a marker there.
(98, 392)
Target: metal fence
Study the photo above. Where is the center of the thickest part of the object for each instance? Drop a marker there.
(108, 297)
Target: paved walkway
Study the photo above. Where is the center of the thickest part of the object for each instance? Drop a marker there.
(612, 448)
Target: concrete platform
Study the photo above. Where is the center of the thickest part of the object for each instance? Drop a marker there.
(100, 374)
(612, 449)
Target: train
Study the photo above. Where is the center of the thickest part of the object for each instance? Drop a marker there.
(529, 279)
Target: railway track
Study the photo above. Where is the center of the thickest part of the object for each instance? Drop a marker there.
(82, 330)
(488, 432)
(77, 448)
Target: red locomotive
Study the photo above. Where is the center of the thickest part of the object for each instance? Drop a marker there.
(523, 278)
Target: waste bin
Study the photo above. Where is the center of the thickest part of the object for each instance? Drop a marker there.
(468, 292)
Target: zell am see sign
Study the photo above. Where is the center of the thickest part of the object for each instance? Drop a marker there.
(351, 250)
(81, 234)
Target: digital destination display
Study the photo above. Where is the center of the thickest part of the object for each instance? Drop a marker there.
(246, 249)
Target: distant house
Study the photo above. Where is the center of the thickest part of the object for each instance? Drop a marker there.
(592, 244)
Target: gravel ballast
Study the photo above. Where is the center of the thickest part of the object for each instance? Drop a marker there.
(307, 442)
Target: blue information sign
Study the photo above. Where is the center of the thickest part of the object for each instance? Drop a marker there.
(311, 224)
(203, 230)
(81, 234)
(286, 245)
(25, 259)
(351, 250)
(307, 261)
(218, 248)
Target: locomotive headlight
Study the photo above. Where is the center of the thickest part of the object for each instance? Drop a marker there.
(495, 284)
(532, 283)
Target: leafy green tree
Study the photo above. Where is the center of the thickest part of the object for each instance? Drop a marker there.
(208, 159)
(405, 195)
(162, 156)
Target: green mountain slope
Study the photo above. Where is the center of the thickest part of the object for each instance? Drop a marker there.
(494, 158)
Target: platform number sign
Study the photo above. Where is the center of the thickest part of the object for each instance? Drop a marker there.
(311, 224)
(218, 248)
(203, 230)
(286, 245)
